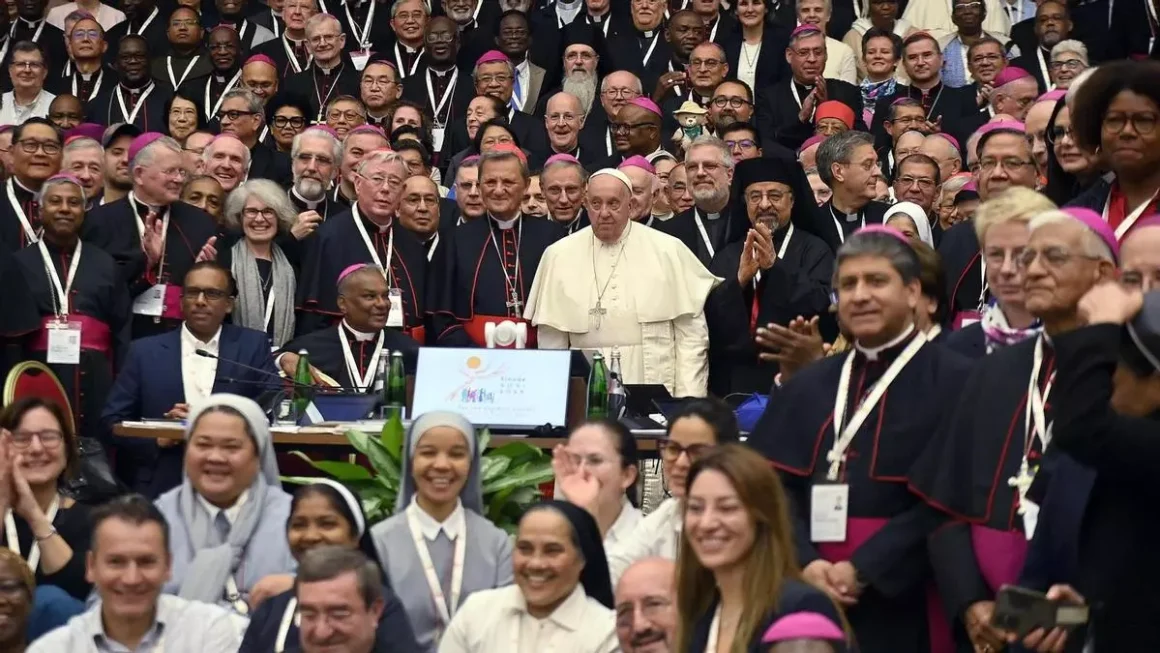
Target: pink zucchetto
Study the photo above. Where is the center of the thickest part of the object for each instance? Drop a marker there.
(351, 269)
(637, 161)
(1010, 74)
(646, 104)
(492, 56)
(558, 158)
(261, 58)
(141, 142)
(803, 29)
(948, 138)
(816, 139)
(1096, 223)
(803, 625)
(883, 229)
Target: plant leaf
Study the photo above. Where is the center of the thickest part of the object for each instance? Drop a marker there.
(528, 475)
(493, 467)
(381, 460)
(484, 439)
(392, 436)
(518, 452)
(341, 471)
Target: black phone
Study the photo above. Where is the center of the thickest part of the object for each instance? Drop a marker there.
(1020, 611)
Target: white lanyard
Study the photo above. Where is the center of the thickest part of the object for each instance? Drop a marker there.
(844, 434)
(242, 33)
(33, 237)
(434, 246)
(235, 597)
(1153, 21)
(60, 294)
(269, 305)
(603, 24)
(838, 224)
(212, 109)
(441, 605)
(1035, 424)
(36, 34)
(96, 85)
(713, 32)
(437, 107)
(130, 116)
(608, 142)
(651, 47)
(145, 24)
(1043, 69)
(14, 542)
(362, 231)
(1015, 12)
(1132, 217)
(704, 234)
(292, 56)
(290, 616)
(785, 243)
(361, 36)
(189, 68)
(274, 25)
(933, 332)
(361, 381)
(983, 284)
(714, 631)
(402, 66)
(963, 55)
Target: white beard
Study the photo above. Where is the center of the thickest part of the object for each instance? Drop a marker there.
(309, 188)
(583, 86)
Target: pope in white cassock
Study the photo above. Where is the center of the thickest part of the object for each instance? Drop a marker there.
(619, 283)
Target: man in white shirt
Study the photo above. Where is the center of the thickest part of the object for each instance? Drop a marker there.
(840, 61)
(27, 99)
(514, 38)
(336, 580)
(128, 565)
(646, 606)
(106, 15)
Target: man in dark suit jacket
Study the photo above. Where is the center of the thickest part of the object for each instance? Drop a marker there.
(441, 88)
(331, 72)
(137, 98)
(785, 111)
(242, 115)
(940, 103)
(164, 374)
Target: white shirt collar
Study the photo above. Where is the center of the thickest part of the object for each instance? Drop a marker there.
(212, 346)
(625, 523)
(569, 614)
(361, 336)
(872, 353)
(231, 513)
(455, 523)
(504, 225)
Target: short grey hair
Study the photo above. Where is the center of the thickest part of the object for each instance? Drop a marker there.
(604, 82)
(335, 144)
(145, 155)
(269, 192)
(1073, 46)
(329, 562)
(58, 180)
(1073, 87)
(838, 149)
(253, 102)
(318, 19)
(1092, 244)
(883, 245)
(396, 3)
(706, 140)
(475, 70)
(556, 165)
(504, 155)
(378, 156)
(207, 153)
(80, 143)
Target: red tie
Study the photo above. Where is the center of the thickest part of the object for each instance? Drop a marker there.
(753, 309)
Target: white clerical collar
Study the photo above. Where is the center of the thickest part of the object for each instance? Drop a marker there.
(231, 513)
(452, 526)
(441, 73)
(310, 204)
(872, 353)
(324, 70)
(32, 24)
(360, 336)
(16, 180)
(504, 225)
(565, 4)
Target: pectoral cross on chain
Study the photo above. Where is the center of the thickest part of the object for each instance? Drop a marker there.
(1022, 483)
(597, 314)
(514, 303)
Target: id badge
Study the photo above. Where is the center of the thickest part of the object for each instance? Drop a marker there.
(965, 319)
(437, 137)
(151, 302)
(829, 512)
(360, 58)
(395, 317)
(64, 343)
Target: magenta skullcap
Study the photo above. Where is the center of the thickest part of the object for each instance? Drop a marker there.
(365, 129)
(883, 229)
(141, 142)
(1001, 127)
(803, 625)
(1010, 74)
(637, 161)
(816, 139)
(327, 129)
(473, 160)
(803, 29)
(64, 176)
(85, 130)
(970, 185)
(1096, 223)
(351, 269)
(224, 26)
(555, 158)
(261, 58)
(492, 56)
(1052, 96)
(948, 138)
(646, 104)
(511, 149)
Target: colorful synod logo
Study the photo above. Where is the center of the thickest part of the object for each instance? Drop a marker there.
(485, 382)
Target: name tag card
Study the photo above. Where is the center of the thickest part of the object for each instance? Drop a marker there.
(395, 317)
(64, 343)
(151, 302)
(360, 59)
(829, 512)
(437, 137)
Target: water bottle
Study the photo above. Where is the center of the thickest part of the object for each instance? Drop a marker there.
(617, 397)
(396, 393)
(303, 384)
(598, 389)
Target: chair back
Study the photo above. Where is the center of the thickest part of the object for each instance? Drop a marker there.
(35, 379)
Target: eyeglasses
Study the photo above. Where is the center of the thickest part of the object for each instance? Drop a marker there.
(628, 126)
(349, 116)
(306, 158)
(411, 15)
(581, 55)
(251, 213)
(379, 181)
(1070, 64)
(996, 257)
(211, 294)
(671, 450)
(435, 37)
(1009, 163)
(49, 438)
(1059, 132)
(1142, 123)
(499, 78)
(986, 58)
(620, 93)
(925, 183)
(282, 122)
(234, 114)
(371, 82)
(319, 39)
(82, 34)
(176, 172)
(771, 196)
(743, 144)
(30, 146)
(27, 65)
(704, 63)
(562, 117)
(183, 23)
(1053, 257)
(733, 102)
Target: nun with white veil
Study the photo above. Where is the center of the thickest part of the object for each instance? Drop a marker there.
(911, 220)
(227, 519)
(438, 548)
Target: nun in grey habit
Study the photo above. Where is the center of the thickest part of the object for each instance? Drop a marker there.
(419, 553)
(219, 554)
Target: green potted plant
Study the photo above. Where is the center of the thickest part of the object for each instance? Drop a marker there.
(511, 474)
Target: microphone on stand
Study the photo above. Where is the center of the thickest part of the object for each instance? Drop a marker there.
(206, 354)
(271, 392)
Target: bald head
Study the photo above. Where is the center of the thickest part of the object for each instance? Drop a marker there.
(563, 103)
(1140, 257)
(647, 592)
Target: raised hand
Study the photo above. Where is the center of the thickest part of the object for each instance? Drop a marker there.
(305, 224)
(153, 239)
(1110, 303)
(24, 501)
(748, 267)
(208, 250)
(574, 481)
(763, 246)
(792, 347)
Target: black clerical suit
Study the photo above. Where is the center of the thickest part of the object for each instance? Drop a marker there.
(19, 216)
(320, 87)
(268, 163)
(967, 475)
(478, 35)
(798, 284)
(628, 49)
(338, 244)
(776, 110)
(706, 233)
(153, 27)
(834, 226)
(887, 525)
(326, 207)
(1029, 60)
(207, 92)
(962, 261)
(950, 104)
(327, 355)
(99, 302)
(484, 266)
(173, 72)
(114, 228)
(85, 87)
(289, 56)
(117, 104)
(458, 88)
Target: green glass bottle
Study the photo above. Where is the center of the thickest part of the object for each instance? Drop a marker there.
(396, 393)
(598, 388)
(303, 384)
